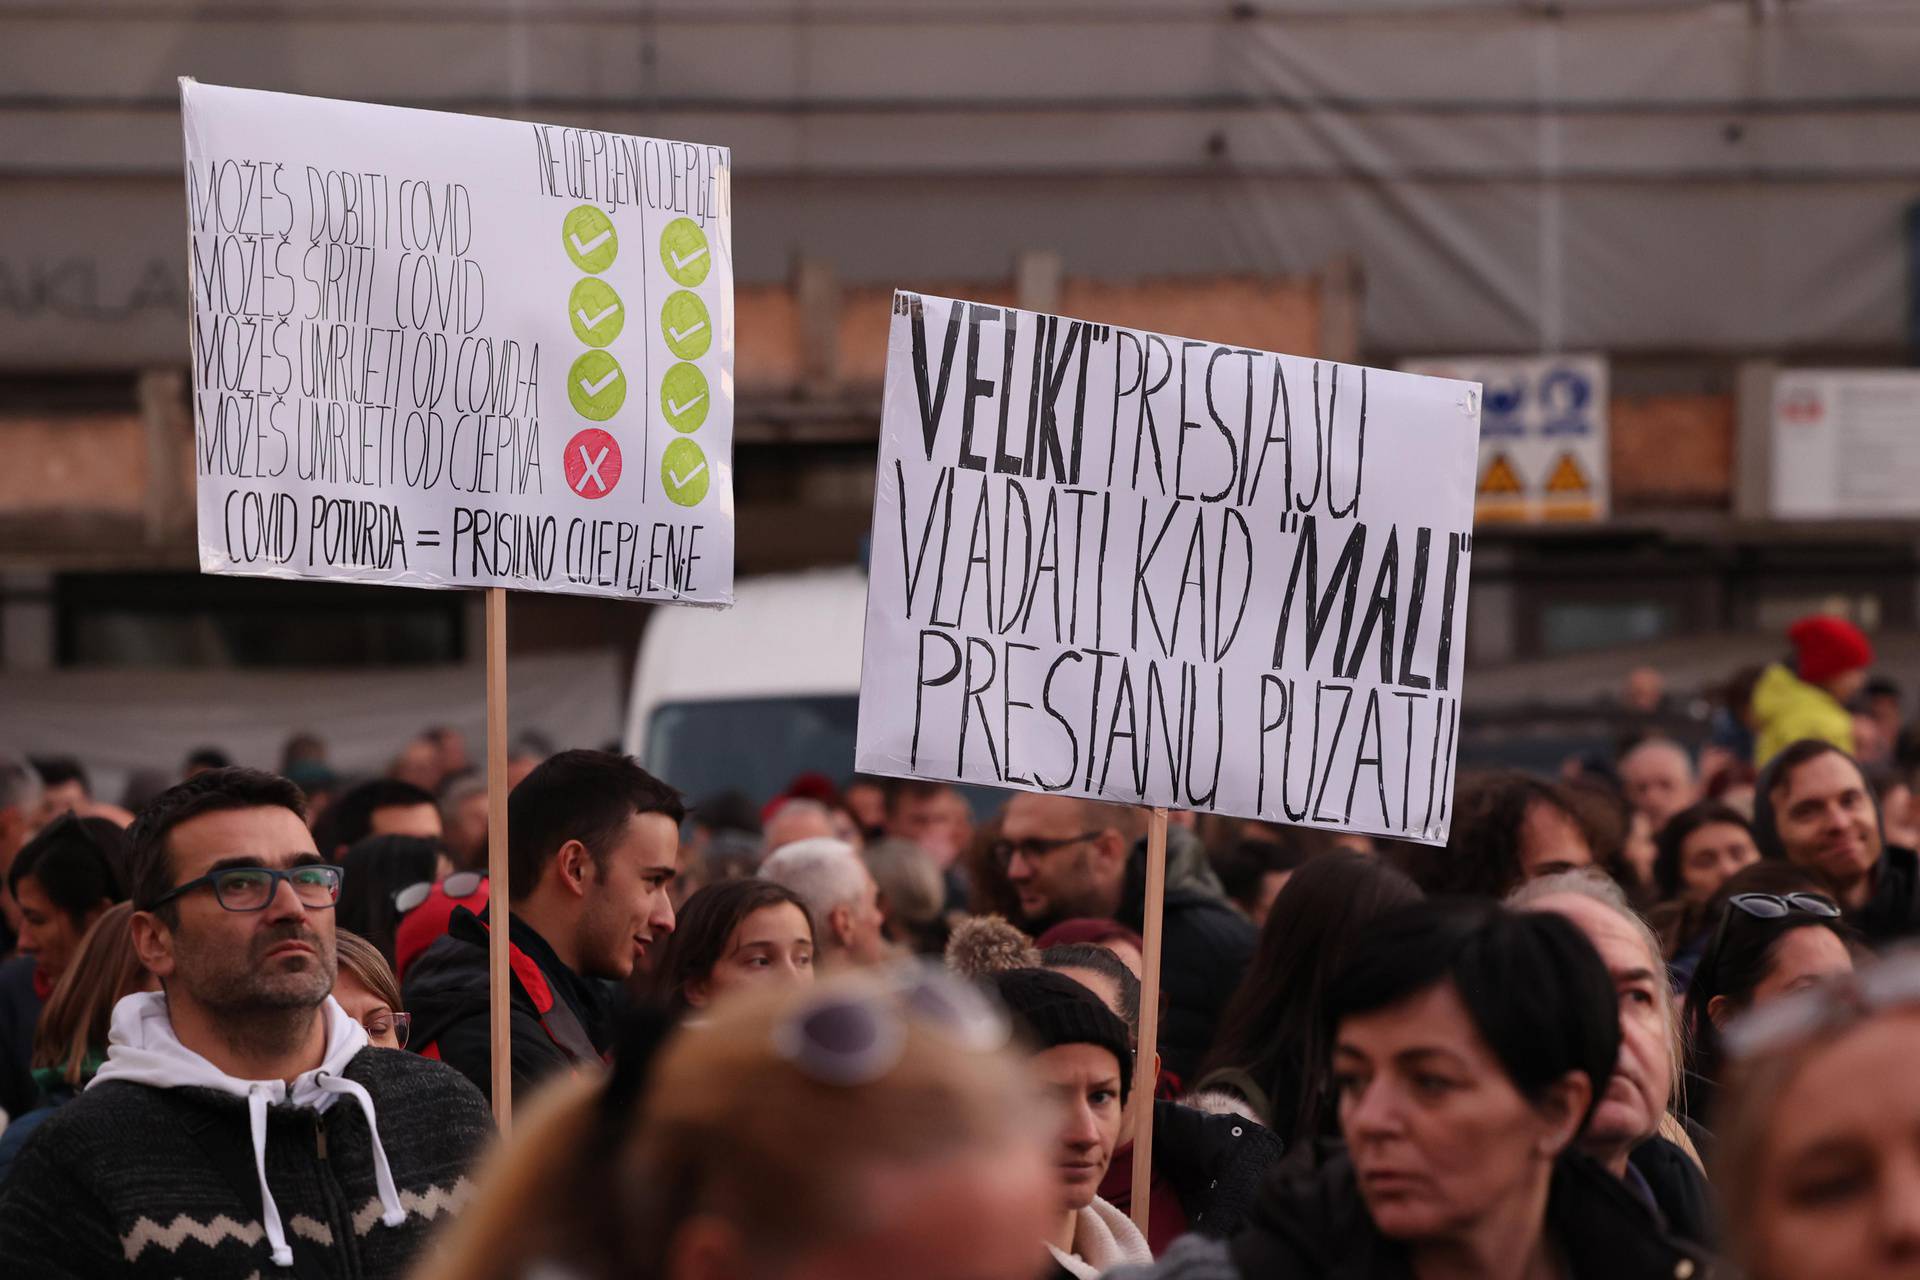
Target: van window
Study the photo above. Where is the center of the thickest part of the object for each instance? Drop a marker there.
(755, 745)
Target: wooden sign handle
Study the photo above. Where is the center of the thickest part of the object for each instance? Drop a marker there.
(499, 992)
(1146, 1056)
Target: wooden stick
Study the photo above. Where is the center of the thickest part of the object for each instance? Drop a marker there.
(499, 990)
(1146, 1057)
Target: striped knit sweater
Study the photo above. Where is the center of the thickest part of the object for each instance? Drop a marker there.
(121, 1182)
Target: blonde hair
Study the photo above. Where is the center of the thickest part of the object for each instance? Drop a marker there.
(364, 963)
(73, 1025)
(727, 1127)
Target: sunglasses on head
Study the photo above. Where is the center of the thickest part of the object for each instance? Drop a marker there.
(461, 884)
(857, 1038)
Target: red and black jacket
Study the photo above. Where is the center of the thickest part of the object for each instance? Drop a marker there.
(560, 1020)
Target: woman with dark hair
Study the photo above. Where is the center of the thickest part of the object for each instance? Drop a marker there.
(1700, 849)
(63, 879)
(733, 936)
(70, 1042)
(1765, 945)
(380, 870)
(1272, 1053)
(1508, 828)
(1471, 1045)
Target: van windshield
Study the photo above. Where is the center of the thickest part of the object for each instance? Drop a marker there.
(754, 745)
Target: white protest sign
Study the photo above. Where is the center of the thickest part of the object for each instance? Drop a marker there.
(1138, 568)
(1543, 435)
(436, 350)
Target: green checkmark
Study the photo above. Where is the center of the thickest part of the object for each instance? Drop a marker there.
(683, 397)
(684, 473)
(595, 312)
(588, 237)
(685, 325)
(596, 386)
(684, 252)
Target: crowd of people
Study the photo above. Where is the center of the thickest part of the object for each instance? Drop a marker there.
(1647, 1018)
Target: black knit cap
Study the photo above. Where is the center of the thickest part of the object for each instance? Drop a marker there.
(1051, 1009)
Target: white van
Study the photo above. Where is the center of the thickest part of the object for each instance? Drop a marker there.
(750, 696)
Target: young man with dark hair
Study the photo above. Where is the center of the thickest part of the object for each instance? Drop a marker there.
(593, 842)
(382, 807)
(63, 879)
(241, 1124)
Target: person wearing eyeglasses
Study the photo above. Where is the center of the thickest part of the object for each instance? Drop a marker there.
(366, 988)
(1065, 858)
(1818, 1164)
(1814, 807)
(1765, 945)
(240, 1124)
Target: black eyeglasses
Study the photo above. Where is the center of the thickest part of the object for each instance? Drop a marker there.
(1033, 848)
(316, 885)
(461, 884)
(855, 1039)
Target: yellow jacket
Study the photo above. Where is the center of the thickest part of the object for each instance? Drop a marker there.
(1786, 709)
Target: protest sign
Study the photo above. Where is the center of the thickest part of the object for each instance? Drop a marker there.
(436, 350)
(1543, 435)
(1131, 567)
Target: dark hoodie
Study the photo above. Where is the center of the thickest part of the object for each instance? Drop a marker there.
(1892, 910)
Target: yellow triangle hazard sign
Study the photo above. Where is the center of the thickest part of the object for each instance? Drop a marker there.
(1500, 477)
(1567, 477)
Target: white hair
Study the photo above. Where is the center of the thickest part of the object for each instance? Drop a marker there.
(1597, 886)
(20, 786)
(825, 873)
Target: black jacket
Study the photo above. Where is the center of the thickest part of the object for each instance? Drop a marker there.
(1204, 952)
(560, 1020)
(133, 1181)
(1892, 913)
(1215, 1164)
(1680, 1191)
(19, 1011)
(1317, 1228)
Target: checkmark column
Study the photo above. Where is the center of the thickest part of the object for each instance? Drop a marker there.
(686, 326)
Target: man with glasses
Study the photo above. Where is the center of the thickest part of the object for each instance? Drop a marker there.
(1065, 858)
(1814, 807)
(240, 1124)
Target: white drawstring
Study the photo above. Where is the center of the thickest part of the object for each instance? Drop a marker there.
(393, 1213)
(269, 1211)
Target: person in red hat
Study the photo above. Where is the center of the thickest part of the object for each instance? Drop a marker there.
(1808, 699)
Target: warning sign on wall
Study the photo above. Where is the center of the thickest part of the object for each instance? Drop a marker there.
(1543, 435)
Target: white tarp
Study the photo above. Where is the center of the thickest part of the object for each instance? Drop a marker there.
(436, 350)
(1543, 435)
(1114, 564)
(1846, 444)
